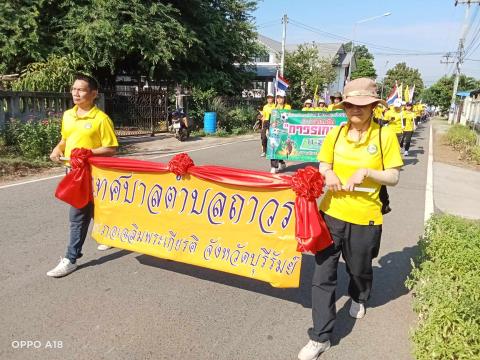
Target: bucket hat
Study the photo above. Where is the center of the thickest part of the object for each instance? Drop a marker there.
(360, 92)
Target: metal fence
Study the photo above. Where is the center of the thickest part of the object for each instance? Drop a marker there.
(137, 112)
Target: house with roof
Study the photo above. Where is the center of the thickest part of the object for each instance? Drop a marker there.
(266, 66)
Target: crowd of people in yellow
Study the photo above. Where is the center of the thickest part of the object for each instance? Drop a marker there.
(402, 117)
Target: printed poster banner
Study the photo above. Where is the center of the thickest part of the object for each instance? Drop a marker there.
(235, 229)
(296, 135)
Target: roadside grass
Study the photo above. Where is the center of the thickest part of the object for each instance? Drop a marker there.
(463, 140)
(445, 282)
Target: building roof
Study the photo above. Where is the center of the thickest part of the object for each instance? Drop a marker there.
(328, 50)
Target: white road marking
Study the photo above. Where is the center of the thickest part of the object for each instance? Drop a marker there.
(199, 149)
(150, 158)
(31, 181)
(429, 209)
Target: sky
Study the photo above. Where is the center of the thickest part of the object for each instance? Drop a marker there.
(422, 30)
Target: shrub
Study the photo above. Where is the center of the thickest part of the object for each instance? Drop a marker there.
(241, 117)
(445, 282)
(460, 137)
(33, 140)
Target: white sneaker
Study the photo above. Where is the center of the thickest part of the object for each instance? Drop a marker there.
(283, 166)
(357, 310)
(405, 153)
(313, 349)
(263, 154)
(102, 247)
(273, 170)
(63, 268)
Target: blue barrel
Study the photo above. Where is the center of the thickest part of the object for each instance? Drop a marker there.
(210, 122)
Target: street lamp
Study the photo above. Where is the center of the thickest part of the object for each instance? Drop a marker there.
(353, 38)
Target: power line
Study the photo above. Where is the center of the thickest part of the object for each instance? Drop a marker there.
(345, 39)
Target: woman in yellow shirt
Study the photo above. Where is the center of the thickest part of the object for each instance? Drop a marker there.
(307, 105)
(322, 106)
(358, 154)
(409, 117)
(336, 98)
(277, 165)
(394, 118)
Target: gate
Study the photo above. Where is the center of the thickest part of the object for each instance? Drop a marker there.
(137, 112)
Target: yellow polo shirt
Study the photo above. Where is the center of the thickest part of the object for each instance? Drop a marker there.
(318, 108)
(409, 120)
(91, 131)
(283, 107)
(267, 111)
(358, 207)
(311, 108)
(396, 123)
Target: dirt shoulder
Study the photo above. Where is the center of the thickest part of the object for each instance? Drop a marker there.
(442, 152)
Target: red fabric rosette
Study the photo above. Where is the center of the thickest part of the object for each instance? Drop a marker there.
(76, 187)
(180, 164)
(311, 231)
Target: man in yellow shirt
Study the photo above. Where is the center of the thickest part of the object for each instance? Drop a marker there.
(83, 126)
(266, 112)
(409, 119)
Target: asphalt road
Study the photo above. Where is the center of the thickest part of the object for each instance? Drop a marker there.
(122, 305)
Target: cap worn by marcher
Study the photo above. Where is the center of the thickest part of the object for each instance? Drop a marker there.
(308, 101)
(360, 92)
(270, 95)
(336, 95)
(397, 103)
(281, 93)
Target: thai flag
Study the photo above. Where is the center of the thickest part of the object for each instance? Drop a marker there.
(393, 95)
(282, 84)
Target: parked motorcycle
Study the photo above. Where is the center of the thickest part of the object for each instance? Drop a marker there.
(180, 125)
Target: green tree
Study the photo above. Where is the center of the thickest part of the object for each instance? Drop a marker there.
(201, 42)
(305, 71)
(55, 74)
(364, 68)
(361, 51)
(405, 75)
(19, 41)
(440, 93)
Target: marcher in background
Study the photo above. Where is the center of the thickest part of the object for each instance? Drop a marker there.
(418, 110)
(307, 105)
(378, 114)
(321, 106)
(351, 155)
(275, 164)
(409, 117)
(83, 126)
(336, 98)
(394, 119)
(266, 112)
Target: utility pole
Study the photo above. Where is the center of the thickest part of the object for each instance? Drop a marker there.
(284, 38)
(460, 55)
(447, 60)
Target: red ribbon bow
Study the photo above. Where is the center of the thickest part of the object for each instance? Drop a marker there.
(76, 187)
(180, 163)
(311, 231)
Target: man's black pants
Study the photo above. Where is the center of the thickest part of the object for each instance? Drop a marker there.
(263, 134)
(359, 245)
